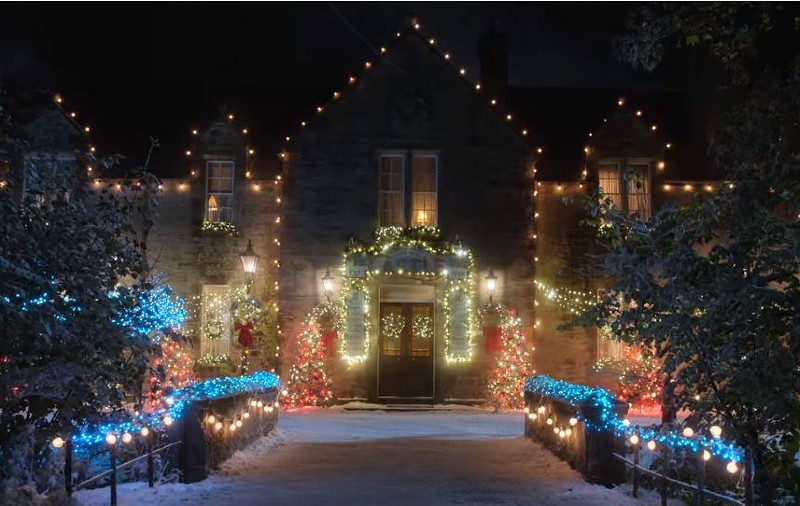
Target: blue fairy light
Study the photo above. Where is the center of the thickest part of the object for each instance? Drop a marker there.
(576, 395)
(215, 388)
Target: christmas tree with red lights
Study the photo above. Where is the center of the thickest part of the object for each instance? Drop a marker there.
(512, 365)
(641, 380)
(173, 369)
(308, 383)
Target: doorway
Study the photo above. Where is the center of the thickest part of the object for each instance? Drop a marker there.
(406, 350)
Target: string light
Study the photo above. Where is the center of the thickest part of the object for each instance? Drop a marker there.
(210, 389)
(607, 420)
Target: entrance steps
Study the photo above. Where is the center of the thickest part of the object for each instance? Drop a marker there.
(368, 406)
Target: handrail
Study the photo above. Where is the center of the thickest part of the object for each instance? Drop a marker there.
(124, 464)
(688, 486)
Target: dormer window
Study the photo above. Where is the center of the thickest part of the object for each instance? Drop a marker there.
(627, 185)
(219, 190)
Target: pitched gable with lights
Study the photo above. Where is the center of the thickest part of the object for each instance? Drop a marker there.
(412, 145)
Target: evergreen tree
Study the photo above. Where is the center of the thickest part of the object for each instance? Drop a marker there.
(308, 384)
(172, 370)
(511, 366)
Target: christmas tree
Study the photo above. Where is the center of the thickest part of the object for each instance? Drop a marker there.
(512, 364)
(308, 383)
(641, 380)
(173, 370)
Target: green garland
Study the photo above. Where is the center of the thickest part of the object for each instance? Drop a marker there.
(220, 228)
(213, 360)
(426, 239)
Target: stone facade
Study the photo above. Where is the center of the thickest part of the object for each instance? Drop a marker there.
(189, 258)
(410, 100)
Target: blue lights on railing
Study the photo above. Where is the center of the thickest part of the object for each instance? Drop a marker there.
(576, 395)
(177, 404)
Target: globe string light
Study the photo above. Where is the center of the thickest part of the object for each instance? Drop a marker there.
(176, 406)
(576, 395)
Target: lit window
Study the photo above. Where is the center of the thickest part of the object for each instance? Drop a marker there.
(638, 189)
(423, 195)
(392, 208)
(608, 177)
(630, 191)
(219, 190)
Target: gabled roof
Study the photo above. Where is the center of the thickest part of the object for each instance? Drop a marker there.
(414, 34)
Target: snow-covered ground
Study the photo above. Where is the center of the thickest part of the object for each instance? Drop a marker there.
(335, 457)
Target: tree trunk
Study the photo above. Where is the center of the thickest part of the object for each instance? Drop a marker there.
(758, 487)
(668, 411)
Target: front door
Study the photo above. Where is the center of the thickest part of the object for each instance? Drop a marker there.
(405, 364)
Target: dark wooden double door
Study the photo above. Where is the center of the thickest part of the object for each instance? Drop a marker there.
(406, 350)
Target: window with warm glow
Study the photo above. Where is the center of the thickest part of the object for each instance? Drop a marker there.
(219, 190)
(423, 195)
(392, 191)
(638, 189)
(608, 177)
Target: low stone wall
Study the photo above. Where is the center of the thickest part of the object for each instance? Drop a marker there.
(562, 428)
(211, 431)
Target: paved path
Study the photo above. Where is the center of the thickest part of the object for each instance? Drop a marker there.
(338, 458)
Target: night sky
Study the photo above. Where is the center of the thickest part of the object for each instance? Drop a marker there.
(132, 71)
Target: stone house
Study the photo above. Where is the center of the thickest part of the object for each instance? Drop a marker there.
(405, 191)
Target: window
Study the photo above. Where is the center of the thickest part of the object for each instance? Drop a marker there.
(392, 191)
(638, 189)
(49, 176)
(423, 195)
(632, 197)
(219, 190)
(608, 177)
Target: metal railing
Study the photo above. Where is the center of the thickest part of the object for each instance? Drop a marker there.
(112, 473)
(699, 491)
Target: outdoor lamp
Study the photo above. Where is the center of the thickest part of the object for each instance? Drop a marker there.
(249, 260)
(491, 283)
(327, 283)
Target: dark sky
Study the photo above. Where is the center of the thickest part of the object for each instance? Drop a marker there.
(158, 69)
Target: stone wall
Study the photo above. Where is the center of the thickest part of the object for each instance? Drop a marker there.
(561, 247)
(411, 100)
(178, 251)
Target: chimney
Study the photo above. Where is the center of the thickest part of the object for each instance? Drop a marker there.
(493, 52)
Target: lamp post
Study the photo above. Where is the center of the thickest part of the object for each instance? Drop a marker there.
(249, 264)
(491, 284)
(327, 284)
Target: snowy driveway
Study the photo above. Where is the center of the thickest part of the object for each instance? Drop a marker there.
(364, 458)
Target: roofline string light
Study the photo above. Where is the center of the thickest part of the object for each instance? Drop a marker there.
(433, 44)
(249, 154)
(72, 116)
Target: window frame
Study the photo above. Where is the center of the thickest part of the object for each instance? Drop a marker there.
(407, 217)
(217, 194)
(425, 154)
(403, 169)
(624, 166)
